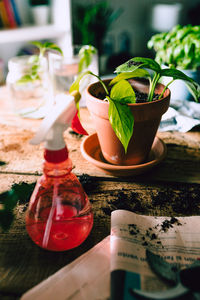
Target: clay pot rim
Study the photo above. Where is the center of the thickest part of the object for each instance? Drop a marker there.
(167, 92)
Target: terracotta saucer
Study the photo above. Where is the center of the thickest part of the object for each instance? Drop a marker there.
(91, 151)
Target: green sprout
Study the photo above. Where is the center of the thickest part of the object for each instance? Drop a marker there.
(35, 62)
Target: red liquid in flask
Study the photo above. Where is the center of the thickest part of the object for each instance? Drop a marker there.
(59, 217)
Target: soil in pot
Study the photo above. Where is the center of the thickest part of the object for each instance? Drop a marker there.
(141, 97)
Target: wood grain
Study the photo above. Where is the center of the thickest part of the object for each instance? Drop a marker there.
(23, 264)
(170, 189)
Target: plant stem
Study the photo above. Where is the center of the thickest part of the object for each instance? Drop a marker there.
(104, 86)
(152, 86)
(161, 95)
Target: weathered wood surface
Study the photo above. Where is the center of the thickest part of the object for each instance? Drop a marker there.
(170, 189)
(182, 163)
(23, 264)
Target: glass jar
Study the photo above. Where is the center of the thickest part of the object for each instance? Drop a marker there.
(27, 95)
(65, 69)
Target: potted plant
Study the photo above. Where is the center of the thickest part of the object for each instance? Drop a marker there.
(127, 109)
(179, 48)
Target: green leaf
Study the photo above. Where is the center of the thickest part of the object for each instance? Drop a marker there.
(49, 45)
(25, 79)
(33, 59)
(122, 121)
(123, 92)
(37, 44)
(76, 83)
(178, 47)
(84, 62)
(85, 54)
(138, 62)
(35, 76)
(128, 66)
(35, 68)
(54, 47)
(128, 75)
(46, 46)
(194, 89)
(176, 74)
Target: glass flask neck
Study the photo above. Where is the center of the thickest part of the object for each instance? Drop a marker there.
(57, 169)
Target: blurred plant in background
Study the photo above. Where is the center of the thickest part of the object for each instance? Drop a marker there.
(178, 48)
(91, 22)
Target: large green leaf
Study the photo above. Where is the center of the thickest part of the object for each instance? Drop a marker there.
(128, 75)
(138, 62)
(122, 122)
(123, 92)
(192, 86)
(176, 74)
(194, 89)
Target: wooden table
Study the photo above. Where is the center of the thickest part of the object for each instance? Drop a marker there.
(170, 189)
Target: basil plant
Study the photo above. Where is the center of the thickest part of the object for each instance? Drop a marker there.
(121, 92)
(178, 48)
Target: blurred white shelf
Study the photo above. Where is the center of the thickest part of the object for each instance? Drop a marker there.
(31, 33)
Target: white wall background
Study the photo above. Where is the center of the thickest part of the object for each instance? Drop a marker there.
(135, 20)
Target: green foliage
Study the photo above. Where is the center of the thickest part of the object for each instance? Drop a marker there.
(128, 75)
(43, 47)
(85, 55)
(19, 193)
(121, 92)
(119, 113)
(135, 63)
(138, 62)
(92, 21)
(76, 84)
(35, 62)
(178, 48)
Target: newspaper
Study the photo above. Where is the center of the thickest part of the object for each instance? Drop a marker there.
(175, 239)
(87, 278)
(123, 255)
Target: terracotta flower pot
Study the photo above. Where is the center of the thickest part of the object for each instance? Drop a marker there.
(147, 118)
